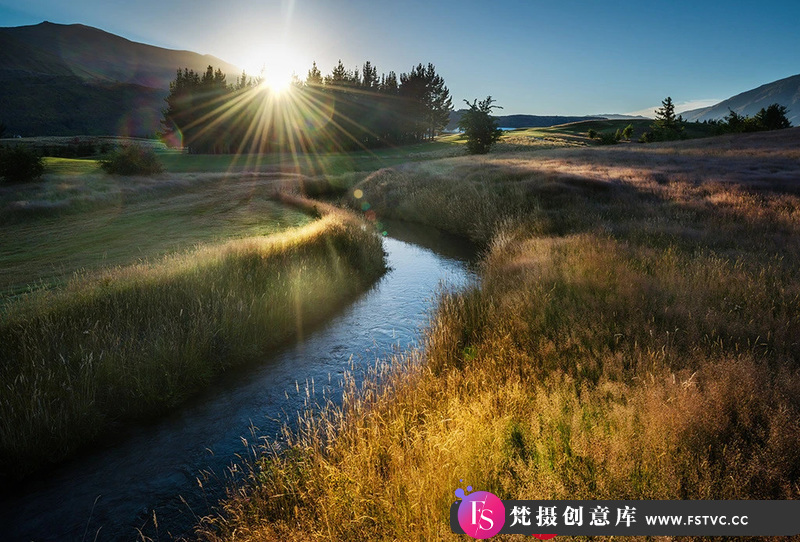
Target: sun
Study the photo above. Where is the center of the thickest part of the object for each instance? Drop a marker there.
(278, 81)
(276, 67)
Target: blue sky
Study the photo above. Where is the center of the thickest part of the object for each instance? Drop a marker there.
(536, 57)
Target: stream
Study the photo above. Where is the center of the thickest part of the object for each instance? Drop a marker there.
(114, 490)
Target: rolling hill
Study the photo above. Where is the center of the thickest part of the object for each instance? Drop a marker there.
(784, 91)
(77, 80)
(521, 121)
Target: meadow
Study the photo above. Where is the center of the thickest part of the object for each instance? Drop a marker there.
(124, 296)
(633, 335)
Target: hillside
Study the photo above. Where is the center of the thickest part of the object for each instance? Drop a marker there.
(784, 91)
(73, 79)
(521, 121)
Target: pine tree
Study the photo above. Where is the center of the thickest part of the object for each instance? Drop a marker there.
(773, 117)
(667, 127)
(369, 76)
(438, 102)
(665, 115)
(314, 77)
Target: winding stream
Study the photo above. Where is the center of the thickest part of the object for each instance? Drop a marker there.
(110, 492)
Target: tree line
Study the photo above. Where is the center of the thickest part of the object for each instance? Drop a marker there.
(667, 126)
(344, 110)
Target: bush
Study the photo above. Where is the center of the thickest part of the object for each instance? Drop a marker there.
(19, 164)
(627, 132)
(647, 137)
(607, 138)
(479, 126)
(592, 133)
(132, 160)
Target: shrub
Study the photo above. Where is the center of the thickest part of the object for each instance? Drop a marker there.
(607, 138)
(592, 133)
(20, 164)
(132, 160)
(480, 127)
(627, 132)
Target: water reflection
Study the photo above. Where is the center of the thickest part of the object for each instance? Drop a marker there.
(154, 468)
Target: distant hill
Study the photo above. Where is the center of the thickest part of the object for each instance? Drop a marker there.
(784, 91)
(73, 79)
(617, 116)
(521, 121)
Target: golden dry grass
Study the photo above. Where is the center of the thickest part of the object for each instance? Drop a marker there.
(135, 340)
(634, 335)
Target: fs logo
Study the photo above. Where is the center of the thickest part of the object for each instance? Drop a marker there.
(480, 514)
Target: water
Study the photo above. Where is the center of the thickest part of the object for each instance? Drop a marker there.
(114, 489)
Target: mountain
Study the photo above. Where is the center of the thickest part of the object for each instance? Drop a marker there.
(617, 116)
(784, 91)
(520, 121)
(73, 80)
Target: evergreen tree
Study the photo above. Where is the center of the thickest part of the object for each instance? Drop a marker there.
(369, 76)
(389, 84)
(773, 117)
(314, 77)
(665, 115)
(438, 102)
(340, 77)
(667, 126)
(427, 102)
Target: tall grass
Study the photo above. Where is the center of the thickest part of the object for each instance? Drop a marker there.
(138, 339)
(633, 336)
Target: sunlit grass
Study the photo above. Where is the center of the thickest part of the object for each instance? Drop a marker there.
(633, 336)
(138, 339)
(81, 224)
(70, 166)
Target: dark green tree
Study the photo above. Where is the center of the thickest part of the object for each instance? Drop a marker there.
(427, 102)
(369, 77)
(667, 126)
(19, 164)
(734, 122)
(132, 160)
(314, 77)
(773, 117)
(479, 126)
(627, 132)
(341, 77)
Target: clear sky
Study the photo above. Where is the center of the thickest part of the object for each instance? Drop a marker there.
(538, 57)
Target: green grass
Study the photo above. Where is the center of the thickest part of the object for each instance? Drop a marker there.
(310, 164)
(575, 134)
(70, 166)
(120, 222)
(136, 340)
(633, 336)
(306, 163)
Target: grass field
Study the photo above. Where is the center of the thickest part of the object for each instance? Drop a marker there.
(565, 135)
(633, 336)
(307, 164)
(161, 284)
(576, 134)
(123, 221)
